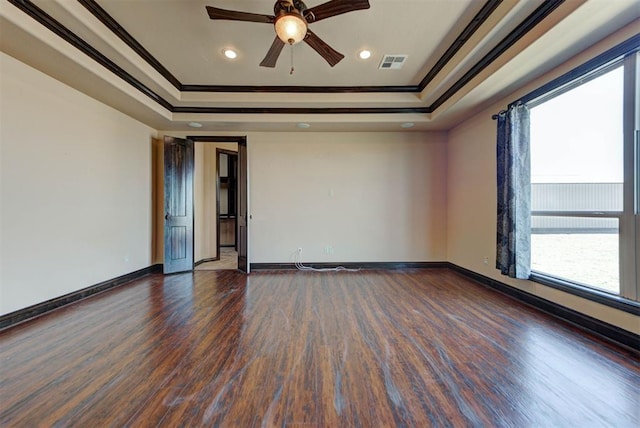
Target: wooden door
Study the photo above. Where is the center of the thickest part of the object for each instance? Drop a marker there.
(178, 205)
(243, 208)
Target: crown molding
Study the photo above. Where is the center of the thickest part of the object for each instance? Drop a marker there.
(490, 6)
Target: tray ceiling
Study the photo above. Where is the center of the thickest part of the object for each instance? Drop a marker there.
(162, 62)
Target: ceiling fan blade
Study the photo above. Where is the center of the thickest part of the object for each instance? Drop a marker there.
(216, 13)
(327, 52)
(274, 52)
(333, 8)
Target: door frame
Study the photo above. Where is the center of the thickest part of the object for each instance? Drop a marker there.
(240, 141)
(220, 151)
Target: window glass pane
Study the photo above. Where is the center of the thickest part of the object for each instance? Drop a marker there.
(578, 249)
(577, 147)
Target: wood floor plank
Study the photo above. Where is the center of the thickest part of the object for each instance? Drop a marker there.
(422, 347)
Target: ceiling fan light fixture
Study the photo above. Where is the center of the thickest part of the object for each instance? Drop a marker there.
(291, 28)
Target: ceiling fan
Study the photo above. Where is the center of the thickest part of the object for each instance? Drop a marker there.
(290, 21)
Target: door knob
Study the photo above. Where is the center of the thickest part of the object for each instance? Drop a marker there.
(166, 216)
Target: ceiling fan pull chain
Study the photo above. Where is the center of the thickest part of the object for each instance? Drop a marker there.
(291, 72)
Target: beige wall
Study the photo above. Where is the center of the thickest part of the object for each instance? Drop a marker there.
(75, 189)
(373, 197)
(472, 201)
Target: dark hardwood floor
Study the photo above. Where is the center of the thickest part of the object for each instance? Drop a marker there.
(371, 349)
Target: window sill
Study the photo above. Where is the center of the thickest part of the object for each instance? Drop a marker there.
(594, 295)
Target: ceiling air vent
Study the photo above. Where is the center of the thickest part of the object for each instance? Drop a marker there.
(392, 62)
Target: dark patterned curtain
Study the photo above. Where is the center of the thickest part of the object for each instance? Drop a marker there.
(513, 252)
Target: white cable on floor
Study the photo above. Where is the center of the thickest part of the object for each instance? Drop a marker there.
(302, 267)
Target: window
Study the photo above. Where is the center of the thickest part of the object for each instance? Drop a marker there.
(584, 178)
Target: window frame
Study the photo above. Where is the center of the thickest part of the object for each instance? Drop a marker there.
(627, 55)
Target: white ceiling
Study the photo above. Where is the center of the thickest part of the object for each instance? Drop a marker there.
(183, 41)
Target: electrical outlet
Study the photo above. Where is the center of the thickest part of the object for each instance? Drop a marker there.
(299, 250)
(485, 260)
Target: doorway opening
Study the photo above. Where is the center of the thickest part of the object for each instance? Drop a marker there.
(224, 235)
(192, 201)
(215, 202)
(227, 198)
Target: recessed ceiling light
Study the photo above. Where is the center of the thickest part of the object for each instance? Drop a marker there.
(407, 125)
(230, 53)
(303, 125)
(364, 54)
(195, 125)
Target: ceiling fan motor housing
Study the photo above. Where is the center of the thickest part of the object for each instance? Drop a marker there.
(289, 6)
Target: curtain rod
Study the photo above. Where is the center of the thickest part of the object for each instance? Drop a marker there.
(500, 113)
